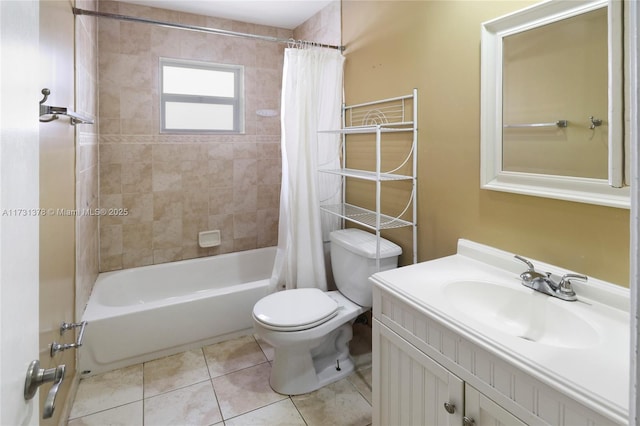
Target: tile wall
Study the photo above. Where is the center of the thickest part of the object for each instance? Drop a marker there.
(323, 27)
(87, 167)
(174, 186)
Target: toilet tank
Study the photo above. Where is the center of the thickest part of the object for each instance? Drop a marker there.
(353, 261)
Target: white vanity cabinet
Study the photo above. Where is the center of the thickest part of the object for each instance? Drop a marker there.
(410, 388)
(430, 367)
(419, 365)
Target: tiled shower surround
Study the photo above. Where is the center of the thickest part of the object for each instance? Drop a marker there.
(171, 185)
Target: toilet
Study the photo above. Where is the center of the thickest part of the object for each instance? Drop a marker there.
(309, 329)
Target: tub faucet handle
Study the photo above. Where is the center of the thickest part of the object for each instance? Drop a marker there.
(59, 347)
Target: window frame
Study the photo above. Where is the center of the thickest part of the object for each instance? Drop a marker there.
(237, 101)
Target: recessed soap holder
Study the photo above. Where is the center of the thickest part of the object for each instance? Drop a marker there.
(209, 238)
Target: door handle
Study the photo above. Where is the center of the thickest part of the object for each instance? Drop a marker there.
(36, 376)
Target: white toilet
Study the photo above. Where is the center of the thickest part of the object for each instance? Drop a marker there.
(310, 329)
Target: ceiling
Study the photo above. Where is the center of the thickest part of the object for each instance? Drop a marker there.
(276, 13)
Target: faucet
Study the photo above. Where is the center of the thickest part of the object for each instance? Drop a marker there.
(545, 283)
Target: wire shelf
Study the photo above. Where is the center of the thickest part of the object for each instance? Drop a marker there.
(371, 129)
(366, 175)
(364, 217)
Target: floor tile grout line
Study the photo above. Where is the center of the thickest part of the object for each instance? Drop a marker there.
(298, 410)
(213, 388)
(145, 396)
(105, 409)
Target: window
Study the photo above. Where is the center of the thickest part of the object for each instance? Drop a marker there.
(198, 97)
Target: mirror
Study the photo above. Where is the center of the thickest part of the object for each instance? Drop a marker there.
(552, 102)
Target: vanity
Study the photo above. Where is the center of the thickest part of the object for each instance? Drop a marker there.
(461, 341)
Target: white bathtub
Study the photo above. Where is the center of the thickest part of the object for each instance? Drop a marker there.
(140, 314)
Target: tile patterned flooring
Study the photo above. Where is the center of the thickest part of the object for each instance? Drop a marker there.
(222, 384)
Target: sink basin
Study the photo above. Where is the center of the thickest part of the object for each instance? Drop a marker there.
(522, 313)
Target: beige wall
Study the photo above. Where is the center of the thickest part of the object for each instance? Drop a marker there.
(394, 46)
(57, 191)
(175, 186)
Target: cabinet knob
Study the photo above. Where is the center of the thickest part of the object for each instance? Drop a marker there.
(468, 421)
(451, 408)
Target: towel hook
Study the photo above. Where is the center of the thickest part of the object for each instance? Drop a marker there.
(55, 112)
(45, 95)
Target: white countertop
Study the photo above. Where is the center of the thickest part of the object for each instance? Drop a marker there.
(595, 374)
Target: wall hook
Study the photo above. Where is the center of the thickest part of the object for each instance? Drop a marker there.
(55, 112)
(595, 122)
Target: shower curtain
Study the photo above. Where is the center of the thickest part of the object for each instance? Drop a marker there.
(311, 101)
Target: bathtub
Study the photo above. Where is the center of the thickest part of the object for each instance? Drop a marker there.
(136, 315)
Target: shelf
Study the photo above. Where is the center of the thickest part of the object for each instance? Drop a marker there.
(372, 129)
(366, 175)
(364, 217)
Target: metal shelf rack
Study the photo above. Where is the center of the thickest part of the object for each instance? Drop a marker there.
(381, 117)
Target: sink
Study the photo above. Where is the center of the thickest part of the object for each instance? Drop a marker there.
(522, 312)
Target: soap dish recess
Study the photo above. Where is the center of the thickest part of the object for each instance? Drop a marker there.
(209, 238)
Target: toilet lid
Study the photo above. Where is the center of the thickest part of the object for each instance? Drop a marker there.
(296, 309)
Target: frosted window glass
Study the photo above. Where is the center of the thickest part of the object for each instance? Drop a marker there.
(201, 97)
(189, 116)
(199, 82)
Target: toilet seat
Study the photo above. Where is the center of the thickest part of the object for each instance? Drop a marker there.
(295, 310)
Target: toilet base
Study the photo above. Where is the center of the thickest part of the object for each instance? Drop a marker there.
(296, 371)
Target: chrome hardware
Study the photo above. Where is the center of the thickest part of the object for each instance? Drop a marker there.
(59, 347)
(595, 122)
(565, 283)
(545, 283)
(449, 407)
(531, 274)
(36, 376)
(468, 421)
(559, 123)
(55, 112)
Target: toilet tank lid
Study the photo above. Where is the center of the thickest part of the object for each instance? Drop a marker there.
(364, 243)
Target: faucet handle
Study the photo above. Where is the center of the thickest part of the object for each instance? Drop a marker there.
(565, 283)
(529, 264)
(530, 274)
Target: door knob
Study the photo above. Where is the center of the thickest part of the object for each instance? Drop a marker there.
(36, 376)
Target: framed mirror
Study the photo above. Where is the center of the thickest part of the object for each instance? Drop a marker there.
(552, 102)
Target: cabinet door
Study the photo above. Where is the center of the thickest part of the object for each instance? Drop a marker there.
(409, 388)
(481, 411)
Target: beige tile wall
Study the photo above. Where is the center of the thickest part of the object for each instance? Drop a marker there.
(174, 186)
(87, 167)
(323, 27)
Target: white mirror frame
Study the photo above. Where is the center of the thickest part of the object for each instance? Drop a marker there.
(584, 190)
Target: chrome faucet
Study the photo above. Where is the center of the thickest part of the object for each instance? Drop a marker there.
(545, 283)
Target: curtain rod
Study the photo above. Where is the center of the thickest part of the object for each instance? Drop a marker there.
(290, 42)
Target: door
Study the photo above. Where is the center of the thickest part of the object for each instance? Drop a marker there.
(409, 387)
(19, 193)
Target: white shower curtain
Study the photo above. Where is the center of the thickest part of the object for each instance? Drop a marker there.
(311, 101)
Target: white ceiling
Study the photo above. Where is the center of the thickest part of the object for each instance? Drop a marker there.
(277, 13)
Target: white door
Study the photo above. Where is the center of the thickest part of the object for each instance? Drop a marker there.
(409, 388)
(19, 97)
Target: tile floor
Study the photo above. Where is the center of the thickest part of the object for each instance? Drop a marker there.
(222, 384)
